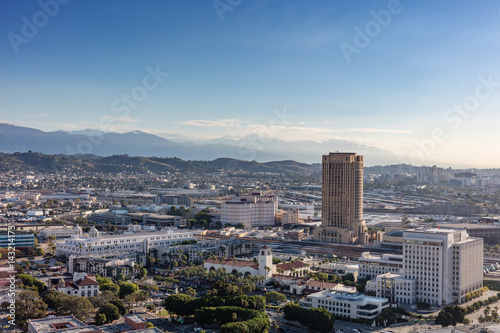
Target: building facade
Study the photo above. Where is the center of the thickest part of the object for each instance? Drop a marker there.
(127, 263)
(440, 267)
(173, 200)
(20, 239)
(83, 285)
(58, 232)
(373, 265)
(290, 216)
(345, 304)
(95, 244)
(263, 267)
(158, 220)
(446, 264)
(342, 199)
(252, 210)
(396, 288)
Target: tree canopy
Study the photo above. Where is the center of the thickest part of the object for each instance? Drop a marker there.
(451, 315)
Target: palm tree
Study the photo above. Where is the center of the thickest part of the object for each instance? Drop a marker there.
(487, 310)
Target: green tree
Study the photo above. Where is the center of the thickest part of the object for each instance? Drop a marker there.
(55, 299)
(143, 273)
(80, 307)
(30, 281)
(18, 269)
(29, 305)
(127, 288)
(110, 311)
(119, 304)
(317, 319)
(274, 297)
(109, 286)
(100, 319)
(348, 277)
(191, 292)
(104, 297)
(137, 296)
(179, 304)
(450, 315)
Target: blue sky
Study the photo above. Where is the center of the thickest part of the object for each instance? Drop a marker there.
(227, 77)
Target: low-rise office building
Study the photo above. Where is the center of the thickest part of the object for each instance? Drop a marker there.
(158, 220)
(69, 324)
(301, 287)
(173, 200)
(371, 265)
(58, 232)
(19, 240)
(396, 288)
(345, 304)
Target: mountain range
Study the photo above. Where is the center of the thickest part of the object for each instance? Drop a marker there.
(138, 143)
(32, 161)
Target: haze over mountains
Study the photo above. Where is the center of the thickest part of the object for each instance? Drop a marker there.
(138, 143)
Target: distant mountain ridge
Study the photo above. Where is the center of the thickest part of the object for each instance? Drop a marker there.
(32, 161)
(137, 143)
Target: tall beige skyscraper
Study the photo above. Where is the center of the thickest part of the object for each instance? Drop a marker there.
(342, 199)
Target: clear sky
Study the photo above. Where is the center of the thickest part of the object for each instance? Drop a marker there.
(418, 78)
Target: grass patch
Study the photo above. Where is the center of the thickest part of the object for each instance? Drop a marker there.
(163, 313)
(492, 284)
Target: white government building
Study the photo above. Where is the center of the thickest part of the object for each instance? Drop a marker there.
(440, 266)
(94, 243)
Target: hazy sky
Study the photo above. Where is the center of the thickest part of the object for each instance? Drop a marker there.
(419, 78)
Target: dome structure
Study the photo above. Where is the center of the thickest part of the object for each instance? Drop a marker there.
(77, 230)
(93, 232)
